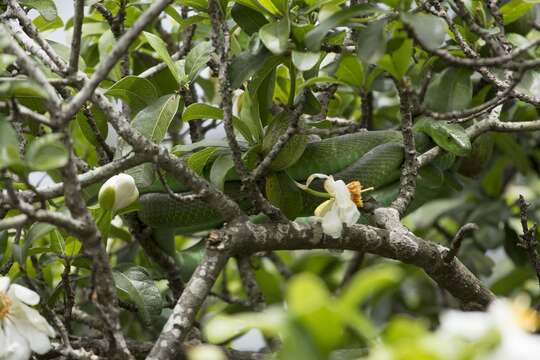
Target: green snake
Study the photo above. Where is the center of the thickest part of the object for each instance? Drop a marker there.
(372, 157)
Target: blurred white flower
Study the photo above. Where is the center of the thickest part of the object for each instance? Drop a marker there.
(23, 330)
(341, 207)
(118, 192)
(513, 321)
(205, 352)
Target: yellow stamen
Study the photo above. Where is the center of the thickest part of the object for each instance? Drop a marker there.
(526, 317)
(355, 188)
(5, 305)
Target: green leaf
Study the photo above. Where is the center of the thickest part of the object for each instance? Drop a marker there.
(398, 57)
(154, 120)
(137, 92)
(198, 161)
(44, 25)
(305, 61)
(106, 44)
(246, 64)
(431, 30)
(87, 130)
(199, 111)
(292, 151)
(46, 8)
(368, 282)
(197, 59)
(274, 7)
(219, 170)
(248, 19)
(161, 49)
(9, 145)
(371, 43)
(185, 148)
(283, 193)
(275, 36)
(64, 52)
(350, 70)
(36, 232)
(322, 79)
(47, 153)
(222, 328)
(514, 9)
(450, 90)
(135, 284)
(315, 37)
(58, 244)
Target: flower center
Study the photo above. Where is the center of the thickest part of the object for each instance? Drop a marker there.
(355, 189)
(527, 318)
(5, 305)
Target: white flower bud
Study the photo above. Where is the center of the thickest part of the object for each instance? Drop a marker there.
(118, 192)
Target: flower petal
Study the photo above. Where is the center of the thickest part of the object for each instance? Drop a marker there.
(471, 325)
(25, 295)
(331, 223)
(342, 195)
(16, 346)
(330, 185)
(315, 176)
(33, 317)
(4, 283)
(349, 215)
(324, 207)
(39, 341)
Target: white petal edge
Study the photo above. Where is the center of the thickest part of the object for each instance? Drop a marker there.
(25, 295)
(331, 223)
(4, 283)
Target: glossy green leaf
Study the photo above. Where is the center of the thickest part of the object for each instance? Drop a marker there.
(198, 161)
(248, 19)
(135, 284)
(154, 120)
(350, 70)
(137, 92)
(305, 61)
(47, 153)
(450, 90)
(46, 8)
(44, 25)
(371, 43)
(161, 49)
(315, 37)
(515, 9)
(245, 64)
(430, 29)
(398, 57)
(88, 130)
(200, 111)
(283, 193)
(9, 145)
(197, 59)
(275, 36)
(219, 170)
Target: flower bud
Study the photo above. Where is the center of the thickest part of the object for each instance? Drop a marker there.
(118, 192)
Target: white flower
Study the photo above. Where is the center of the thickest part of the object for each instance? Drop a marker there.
(22, 329)
(340, 208)
(205, 352)
(513, 321)
(118, 192)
